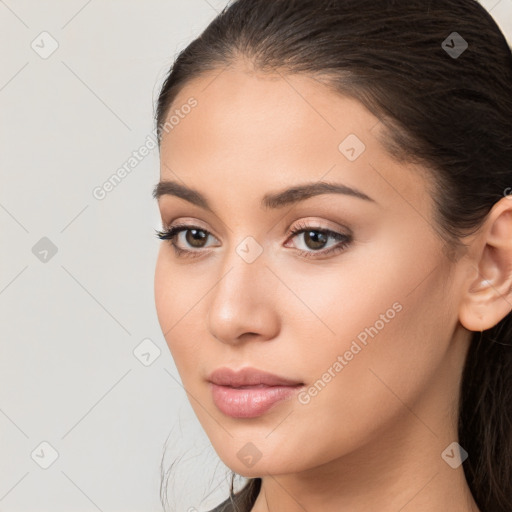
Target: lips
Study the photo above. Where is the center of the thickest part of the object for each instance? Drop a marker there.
(248, 377)
(249, 392)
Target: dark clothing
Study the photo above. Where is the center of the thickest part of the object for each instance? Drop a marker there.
(243, 500)
(225, 506)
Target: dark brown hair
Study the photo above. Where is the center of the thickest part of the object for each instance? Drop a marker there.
(443, 105)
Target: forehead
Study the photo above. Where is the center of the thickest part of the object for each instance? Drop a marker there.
(237, 104)
(264, 131)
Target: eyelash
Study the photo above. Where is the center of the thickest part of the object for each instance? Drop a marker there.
(344, 239)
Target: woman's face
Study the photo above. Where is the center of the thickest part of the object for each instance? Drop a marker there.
(366, 323)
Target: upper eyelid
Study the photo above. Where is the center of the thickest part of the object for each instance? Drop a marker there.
(306, 222)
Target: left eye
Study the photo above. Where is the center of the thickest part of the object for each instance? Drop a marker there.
(317, 238)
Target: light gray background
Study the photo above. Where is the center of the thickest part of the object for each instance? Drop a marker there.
(69, 325)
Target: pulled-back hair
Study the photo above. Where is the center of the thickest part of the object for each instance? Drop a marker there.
(447, 110)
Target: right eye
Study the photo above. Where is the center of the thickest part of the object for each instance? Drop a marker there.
(188, 235)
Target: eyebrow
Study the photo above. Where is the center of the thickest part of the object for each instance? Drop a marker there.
(271, 200)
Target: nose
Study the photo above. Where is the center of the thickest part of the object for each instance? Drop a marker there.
(243, 302)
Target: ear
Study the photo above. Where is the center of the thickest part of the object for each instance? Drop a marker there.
(487, 295)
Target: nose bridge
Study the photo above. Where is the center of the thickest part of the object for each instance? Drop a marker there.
(242, 301)
(245, 275)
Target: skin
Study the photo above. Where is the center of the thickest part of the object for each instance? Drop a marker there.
(372, 439)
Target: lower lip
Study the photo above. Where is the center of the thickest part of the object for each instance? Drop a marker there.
(250, 402)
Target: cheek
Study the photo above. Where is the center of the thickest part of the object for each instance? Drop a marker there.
(162, 291)
(179, 305)
(376, 344)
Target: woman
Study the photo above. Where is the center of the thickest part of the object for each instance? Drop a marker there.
(335, 284)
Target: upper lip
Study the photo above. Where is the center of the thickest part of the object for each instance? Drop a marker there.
(248, 377)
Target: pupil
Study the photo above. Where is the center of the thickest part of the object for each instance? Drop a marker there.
(317, 238)
(197, 236)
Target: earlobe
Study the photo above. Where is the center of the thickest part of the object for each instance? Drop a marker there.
(488, 295)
